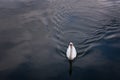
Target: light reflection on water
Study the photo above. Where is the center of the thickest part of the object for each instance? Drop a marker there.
(34, 36)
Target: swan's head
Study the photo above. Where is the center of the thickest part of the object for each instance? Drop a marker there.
(71, 44)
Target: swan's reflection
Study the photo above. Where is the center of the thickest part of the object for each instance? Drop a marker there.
(70, 67)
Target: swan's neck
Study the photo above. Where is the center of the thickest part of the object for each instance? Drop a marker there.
(70, 52)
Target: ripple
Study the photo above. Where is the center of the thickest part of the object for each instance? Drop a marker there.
(77, 23)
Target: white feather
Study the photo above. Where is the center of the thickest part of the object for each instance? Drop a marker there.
(71, 52)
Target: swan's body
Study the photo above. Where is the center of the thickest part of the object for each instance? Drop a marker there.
(71, 51)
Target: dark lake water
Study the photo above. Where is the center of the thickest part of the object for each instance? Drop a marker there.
(34, 36)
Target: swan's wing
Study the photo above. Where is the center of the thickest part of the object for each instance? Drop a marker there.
(68, 52)
(74, 52)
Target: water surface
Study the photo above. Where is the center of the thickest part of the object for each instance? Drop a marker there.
(34, 36)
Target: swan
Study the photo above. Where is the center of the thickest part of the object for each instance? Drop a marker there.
(71, 52)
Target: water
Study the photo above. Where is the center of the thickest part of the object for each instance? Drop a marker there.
(34, 36)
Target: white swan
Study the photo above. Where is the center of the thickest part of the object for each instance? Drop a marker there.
(71, 52)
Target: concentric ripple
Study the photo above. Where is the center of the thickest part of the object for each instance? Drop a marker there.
(84, 23)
